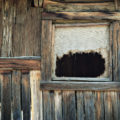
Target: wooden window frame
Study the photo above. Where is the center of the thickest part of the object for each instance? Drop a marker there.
(46, 51)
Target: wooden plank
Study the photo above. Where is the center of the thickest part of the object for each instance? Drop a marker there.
(83, 1)
(61, 6)
(81, 15)
(92, 86)
(89, 101)
(26, 98)
(36, 96)
(69, 108)
(1, 20)
(48, 105)
(46, 50)
(27, 19)
(115, 104)
(115, 51)
(7, 25)
(99, 106)
(108, 106)
(6, 97)
(16, 95)
(80, 106)
(13, 63)
(58, 105)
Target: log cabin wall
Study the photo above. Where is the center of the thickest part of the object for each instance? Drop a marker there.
(21, 97)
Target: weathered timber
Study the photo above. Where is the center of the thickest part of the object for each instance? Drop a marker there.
(99, 105)
(48, 105)
(108, 106)
(83, 1)
(115, 36)
(27, 30)
(26, 98)
(55, 6)
(1, 25)
(36, 96)
(46, 49)
(115, 104)
(58, 105)
(38, 3)
(6, 97)
(7, 24)
(20, 63)
(93, 86)
(16, 95)
(69, 108)
(89, 103)
(80, 105)
(81, 15)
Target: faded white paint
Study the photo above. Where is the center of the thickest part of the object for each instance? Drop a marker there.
(81, 39)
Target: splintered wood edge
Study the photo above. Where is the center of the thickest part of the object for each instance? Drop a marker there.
(8, 64)
(85, 86)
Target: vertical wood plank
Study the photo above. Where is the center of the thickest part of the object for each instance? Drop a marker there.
(26, 100)
(80, 106)
(99, 105)
(46, 49)
(6, 97)
(89, 100)
(27, 30)
(58, 105)
(8, 16)
(48, 105)
(1, 27)
(108, 106)
(16, 95)
(36, 3)
(69, 105)
(118, 37)
(115, 50)
(36, 96)
(115, 105)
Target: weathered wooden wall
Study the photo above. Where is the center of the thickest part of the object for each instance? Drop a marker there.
(21, 98)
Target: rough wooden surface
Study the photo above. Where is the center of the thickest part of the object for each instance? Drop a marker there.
(26, 97)
(16, 95)
(6, 97)
(10, 64)
(36, 96)
(62, 6)
(46, 49)
(91, 86)
(82, 15)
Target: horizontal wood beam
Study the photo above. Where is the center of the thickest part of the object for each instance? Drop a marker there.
(81, 15)
(19, 63)
(85, 86)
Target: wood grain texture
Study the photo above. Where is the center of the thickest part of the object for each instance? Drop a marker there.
(36, 96)
(61, 6)
(1, 20)
(92, 86)
(16, 95)
(26, 98)
(81, 15)
(7, 24)
(6, 97)
(46, 50)
(69, 108)
(99, 105)
(13, 63)
(58, 105)
(26, 30)
(108, 106)
(89, 105)
(80, 105)
(116, 37)
(48, 105)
